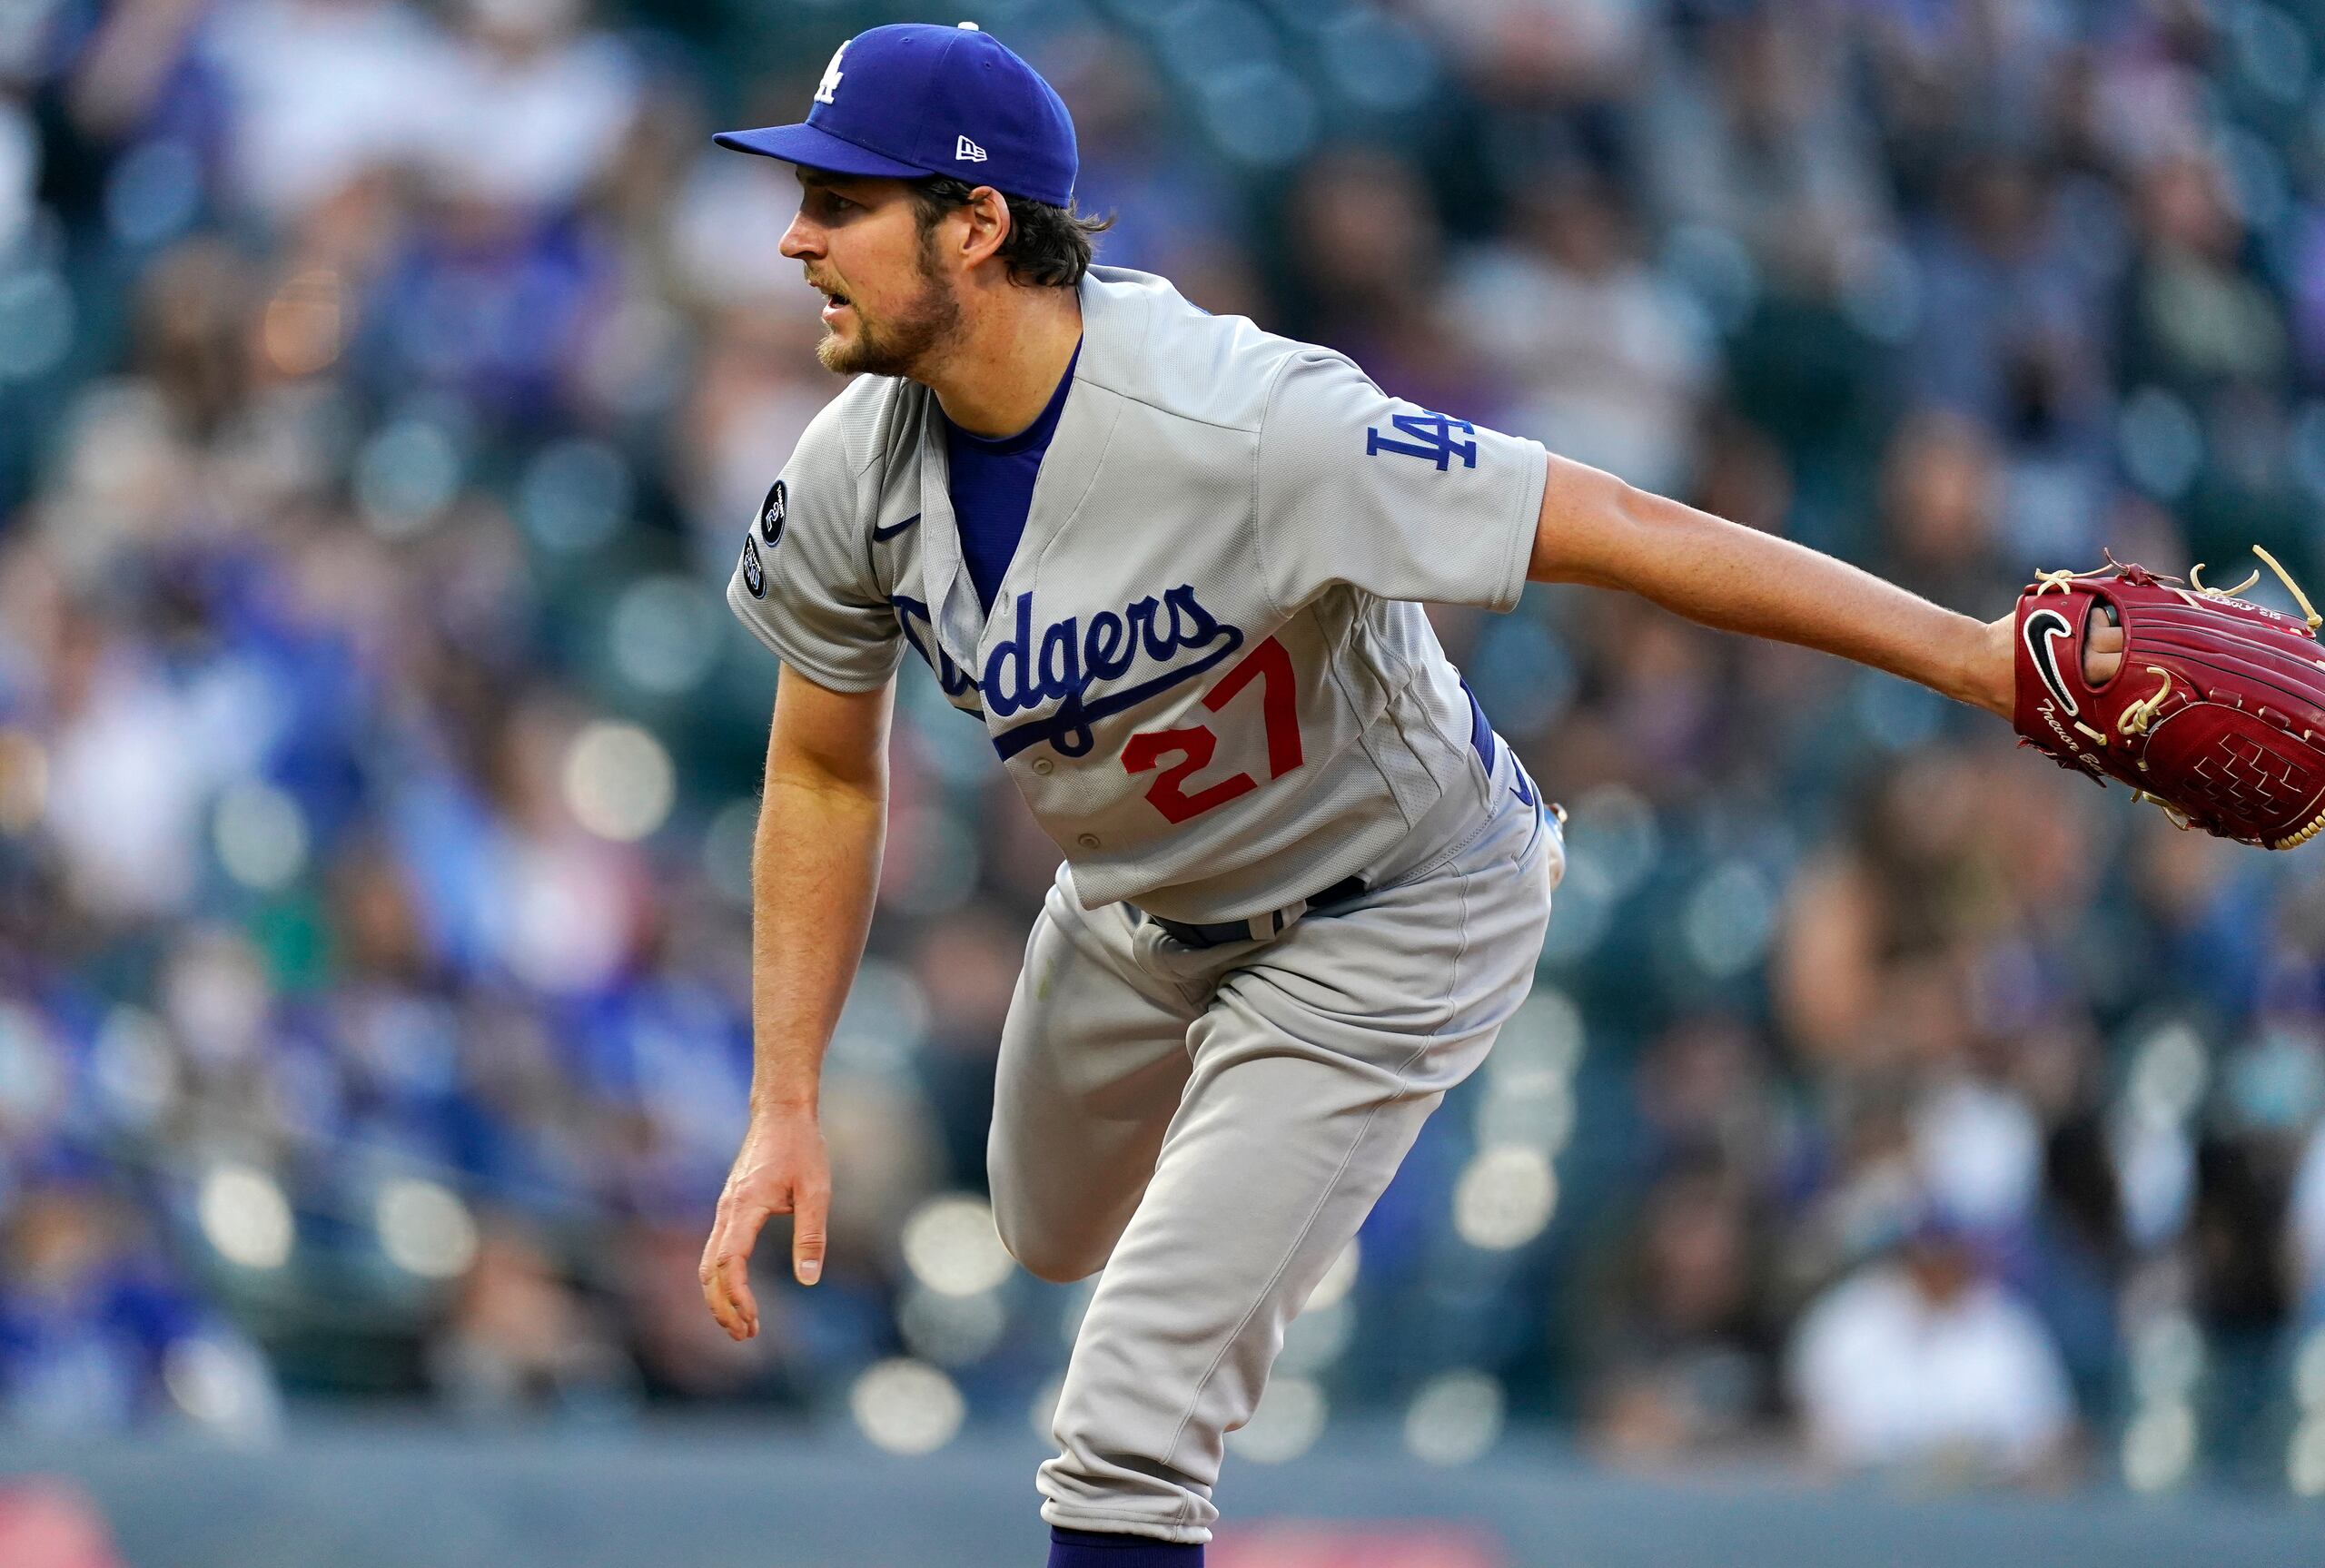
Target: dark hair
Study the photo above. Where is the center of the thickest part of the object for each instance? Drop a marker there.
(1047, 248)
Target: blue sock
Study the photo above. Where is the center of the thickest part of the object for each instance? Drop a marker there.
(1089, 1549)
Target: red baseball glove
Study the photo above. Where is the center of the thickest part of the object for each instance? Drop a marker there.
(2217, 713)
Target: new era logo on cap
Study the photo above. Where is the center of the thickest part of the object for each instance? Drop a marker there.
(967, 152)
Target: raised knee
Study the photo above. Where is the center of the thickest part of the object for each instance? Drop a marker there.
(1058, 1267)
(1044, 1257)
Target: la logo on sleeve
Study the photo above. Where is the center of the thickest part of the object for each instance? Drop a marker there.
(773, 513)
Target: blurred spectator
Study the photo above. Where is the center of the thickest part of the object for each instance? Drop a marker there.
(1360, 226)
(1609, 358)
(1682, 1365)
(517, 1340)
(533, 109)
(1753, 137)
(319, 91)
(1940, 492)
(95, 1332)
(1926, 1364)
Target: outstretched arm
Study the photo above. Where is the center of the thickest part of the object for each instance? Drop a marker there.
(1596, 529)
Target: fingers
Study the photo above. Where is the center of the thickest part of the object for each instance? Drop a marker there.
(814, 1203)
(2103, 649)
(726, 1272)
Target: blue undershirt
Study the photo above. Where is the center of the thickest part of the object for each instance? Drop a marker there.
(991, 488)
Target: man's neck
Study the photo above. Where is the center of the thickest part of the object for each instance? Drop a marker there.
(998, 376)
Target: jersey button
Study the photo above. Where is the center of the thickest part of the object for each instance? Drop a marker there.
(1044, 766)
(1087, 840)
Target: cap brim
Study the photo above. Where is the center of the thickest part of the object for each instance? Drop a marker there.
(815, 149)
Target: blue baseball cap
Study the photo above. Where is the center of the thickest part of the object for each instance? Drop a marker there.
(909, 100)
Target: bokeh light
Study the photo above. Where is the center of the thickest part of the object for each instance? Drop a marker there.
(2305, 1458)
(1729, 918)
(2161, 443)
(950, 1330)
(33, 1073)
(1379, 60)
(2170, 1072)
(154, 191)
(37, 317)
(260, 834)
(2159, 1447)
(425, 1229)
(1338, 1279)
(223, 1385)
(132, 1068)
(1042, 1414)
(1528, 1098)
(1291, 1418)
(1614, 827)
(666, 633)
(1317, 1338)
(2167, 1357)
(574, 495)
(1505, 1198)
(951, 1246)
(906, 1407)
(1455, 1419)
(727, 847)
(245, 1217)
(406, 476)
(2309, 1371)
(619, 782)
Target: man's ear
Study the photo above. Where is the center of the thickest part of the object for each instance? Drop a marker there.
(989, 225)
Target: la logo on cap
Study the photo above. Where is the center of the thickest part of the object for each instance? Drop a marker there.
(830, 83)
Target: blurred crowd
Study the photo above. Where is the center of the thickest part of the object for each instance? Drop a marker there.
(385, 388)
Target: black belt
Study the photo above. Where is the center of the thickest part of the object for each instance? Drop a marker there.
(1261, 927)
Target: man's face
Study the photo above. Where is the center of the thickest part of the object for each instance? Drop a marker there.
(887, 305)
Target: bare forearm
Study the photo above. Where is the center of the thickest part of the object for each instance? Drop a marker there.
(1598, 530)
(815, 869)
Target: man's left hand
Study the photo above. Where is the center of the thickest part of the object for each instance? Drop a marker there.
(1996, 683)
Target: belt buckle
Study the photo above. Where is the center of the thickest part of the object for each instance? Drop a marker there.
(1272, 924)
(1264, 926)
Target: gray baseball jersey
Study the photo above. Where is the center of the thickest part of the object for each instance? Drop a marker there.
(1207, 668)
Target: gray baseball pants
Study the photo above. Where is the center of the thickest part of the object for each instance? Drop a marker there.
(1211, 1126)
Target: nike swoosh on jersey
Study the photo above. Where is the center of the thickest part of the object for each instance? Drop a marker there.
(950, 675)
(893, 529)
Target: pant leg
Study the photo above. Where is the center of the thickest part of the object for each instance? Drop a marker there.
(1093, 1060)
(1317, 1062)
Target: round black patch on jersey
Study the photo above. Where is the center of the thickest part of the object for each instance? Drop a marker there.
(754, 569)
(772, 513)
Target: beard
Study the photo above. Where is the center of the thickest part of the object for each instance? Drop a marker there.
(898, 343)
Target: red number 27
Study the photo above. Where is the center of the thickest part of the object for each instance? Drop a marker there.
(1193, 747)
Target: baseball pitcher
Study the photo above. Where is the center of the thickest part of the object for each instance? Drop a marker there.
(1175, 566)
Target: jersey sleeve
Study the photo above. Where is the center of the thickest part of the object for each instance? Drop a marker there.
(804, 583)
(1355, 487)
